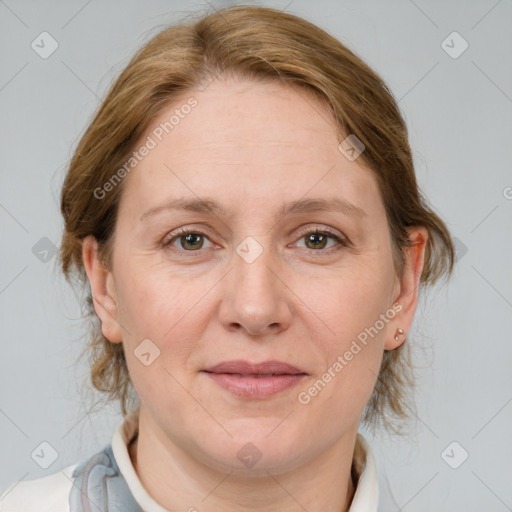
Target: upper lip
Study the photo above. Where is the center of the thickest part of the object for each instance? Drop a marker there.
(247, 368)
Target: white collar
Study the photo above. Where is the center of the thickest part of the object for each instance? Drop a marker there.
(365, 499)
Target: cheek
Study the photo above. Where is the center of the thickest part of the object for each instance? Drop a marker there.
(168, 310)
(350, 360)
(354, 313)
(352, 302)
(151, 302)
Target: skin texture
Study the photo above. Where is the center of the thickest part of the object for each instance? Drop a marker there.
(252, 147)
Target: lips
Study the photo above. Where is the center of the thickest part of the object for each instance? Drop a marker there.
(254, 369)
(255, 380)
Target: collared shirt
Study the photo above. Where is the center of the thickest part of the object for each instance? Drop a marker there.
(107, 481)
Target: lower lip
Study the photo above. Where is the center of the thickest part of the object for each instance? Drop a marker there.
(255, 387)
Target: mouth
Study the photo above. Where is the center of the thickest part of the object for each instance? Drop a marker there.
(255, 380)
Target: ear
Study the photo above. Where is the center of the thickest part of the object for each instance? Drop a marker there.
(408, 287)
(103, 290)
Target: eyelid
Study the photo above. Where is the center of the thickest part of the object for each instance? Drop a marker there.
(321, 229)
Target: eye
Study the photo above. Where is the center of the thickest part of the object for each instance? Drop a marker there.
(190, 240)
(317, 239)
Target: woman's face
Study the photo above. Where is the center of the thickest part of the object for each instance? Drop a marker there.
(260, 169)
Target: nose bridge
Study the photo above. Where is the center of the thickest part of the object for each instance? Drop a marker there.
(253, 261)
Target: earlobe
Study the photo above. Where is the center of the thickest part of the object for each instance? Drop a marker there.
(102, 289)
(409, 288)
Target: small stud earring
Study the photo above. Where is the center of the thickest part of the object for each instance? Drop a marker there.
(399, 331)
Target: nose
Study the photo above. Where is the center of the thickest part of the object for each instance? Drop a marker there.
(256, 297)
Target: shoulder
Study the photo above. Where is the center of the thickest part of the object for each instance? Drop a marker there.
(46, 494)
(95, 476)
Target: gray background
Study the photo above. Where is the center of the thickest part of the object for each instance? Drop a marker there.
(459, 113)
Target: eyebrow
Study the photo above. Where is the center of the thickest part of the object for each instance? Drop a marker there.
(207, 205)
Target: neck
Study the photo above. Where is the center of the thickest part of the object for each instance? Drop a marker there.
(178, 481)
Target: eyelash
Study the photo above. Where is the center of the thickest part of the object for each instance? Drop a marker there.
(341, 242)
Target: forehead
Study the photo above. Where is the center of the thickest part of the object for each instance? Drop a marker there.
(250, 142)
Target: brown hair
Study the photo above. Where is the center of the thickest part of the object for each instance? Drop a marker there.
(256, 43)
